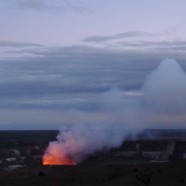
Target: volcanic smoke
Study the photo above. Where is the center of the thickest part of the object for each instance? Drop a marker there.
(160, 103)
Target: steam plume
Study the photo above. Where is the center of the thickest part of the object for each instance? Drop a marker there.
(162, 96)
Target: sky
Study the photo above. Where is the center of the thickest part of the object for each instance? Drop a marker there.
(60, 59)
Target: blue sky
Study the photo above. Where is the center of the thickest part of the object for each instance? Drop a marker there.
(58, 58)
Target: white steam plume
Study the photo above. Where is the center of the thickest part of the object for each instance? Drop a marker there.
(160, 103)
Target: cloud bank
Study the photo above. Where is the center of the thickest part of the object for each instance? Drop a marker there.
(66, 83)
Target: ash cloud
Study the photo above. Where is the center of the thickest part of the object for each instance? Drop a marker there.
(161, 96)
(165, 88)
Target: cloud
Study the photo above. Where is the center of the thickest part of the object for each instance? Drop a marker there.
(18, 44)
(46, 5)
(158, 46)
(144, 42)
(72, 79)
(124, 35)
(75, 70)
(67, 78)
(141, 43)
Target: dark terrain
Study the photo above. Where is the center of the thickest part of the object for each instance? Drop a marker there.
(155, 158)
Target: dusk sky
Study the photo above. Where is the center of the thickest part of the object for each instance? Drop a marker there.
(68, 61)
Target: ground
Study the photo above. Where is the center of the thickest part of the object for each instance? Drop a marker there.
(21, 153)
(151, 174)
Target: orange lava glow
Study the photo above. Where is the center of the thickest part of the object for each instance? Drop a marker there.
(52, 160)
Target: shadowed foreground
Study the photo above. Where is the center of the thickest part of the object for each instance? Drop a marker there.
(144, 162)
(152, 174)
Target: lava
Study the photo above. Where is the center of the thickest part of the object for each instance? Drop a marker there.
(51, 159)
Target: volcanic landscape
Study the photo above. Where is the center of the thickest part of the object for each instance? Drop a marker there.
(154, 157)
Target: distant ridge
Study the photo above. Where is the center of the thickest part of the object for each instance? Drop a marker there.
(163, 134)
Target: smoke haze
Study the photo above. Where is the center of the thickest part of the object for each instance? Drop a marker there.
(160, 103)
(165, 88)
